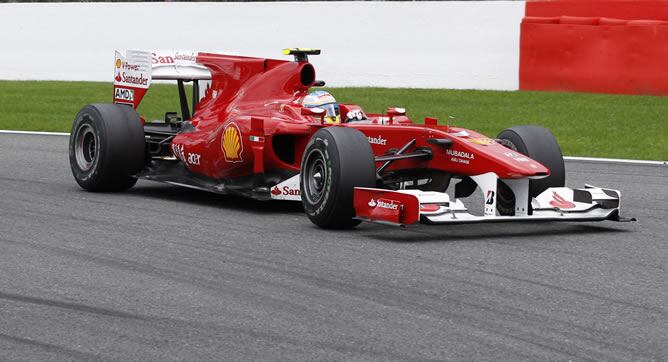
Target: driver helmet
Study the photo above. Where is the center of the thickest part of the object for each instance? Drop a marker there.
(324, 100)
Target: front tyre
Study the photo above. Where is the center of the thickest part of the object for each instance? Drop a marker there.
(336, 160)
(541, 145)
(106, 147)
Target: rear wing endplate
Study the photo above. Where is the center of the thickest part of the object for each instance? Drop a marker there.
(134, 71)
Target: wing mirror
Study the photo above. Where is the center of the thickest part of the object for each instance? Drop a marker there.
(315, 112)
(395, 111)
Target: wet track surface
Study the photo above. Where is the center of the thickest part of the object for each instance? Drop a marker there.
(163, 272)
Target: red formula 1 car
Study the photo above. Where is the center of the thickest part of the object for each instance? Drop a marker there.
(251, 134)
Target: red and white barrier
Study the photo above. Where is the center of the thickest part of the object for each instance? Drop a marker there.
(601, 46)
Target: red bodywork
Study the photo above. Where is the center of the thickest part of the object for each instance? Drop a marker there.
(250, 122)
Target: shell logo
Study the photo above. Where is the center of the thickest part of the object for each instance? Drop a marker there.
(231, 143)
(481, 141)
(118, 63)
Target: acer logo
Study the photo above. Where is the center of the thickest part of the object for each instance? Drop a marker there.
(194, 158)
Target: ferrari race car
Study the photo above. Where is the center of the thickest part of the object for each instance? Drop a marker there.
(251, 133)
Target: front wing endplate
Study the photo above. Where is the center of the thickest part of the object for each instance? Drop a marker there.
(407, 207)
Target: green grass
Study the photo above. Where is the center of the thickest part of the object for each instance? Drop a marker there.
(585, 124)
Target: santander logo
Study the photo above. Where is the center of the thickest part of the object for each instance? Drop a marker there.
(377, 140)
(384, 204)
(285, 191)
(560, 202)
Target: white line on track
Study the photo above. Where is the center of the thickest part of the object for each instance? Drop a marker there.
(615, 160)
(35, 133)
(568, 158)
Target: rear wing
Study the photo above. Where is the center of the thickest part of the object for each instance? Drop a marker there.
(134, 71)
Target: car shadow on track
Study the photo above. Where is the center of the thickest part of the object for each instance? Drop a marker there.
(414, 234)
(510, 231)
(204, 198)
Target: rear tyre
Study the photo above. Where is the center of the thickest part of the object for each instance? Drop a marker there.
(541, 145)
(336, 160)
(106, 147)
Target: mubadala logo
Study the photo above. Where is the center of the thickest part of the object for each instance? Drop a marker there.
(383, 204)
(377, 140)
(124, 94)
(461, 154)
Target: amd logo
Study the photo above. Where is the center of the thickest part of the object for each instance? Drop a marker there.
(124, 94)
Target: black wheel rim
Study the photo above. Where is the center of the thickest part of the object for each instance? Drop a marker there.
(85, 147)
(508, 144)
(316, 176)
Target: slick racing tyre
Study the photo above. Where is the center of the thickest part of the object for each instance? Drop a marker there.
(106, 147)
(541, 145)
(336, 160)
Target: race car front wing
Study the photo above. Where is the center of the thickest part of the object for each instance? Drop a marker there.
(407, 207)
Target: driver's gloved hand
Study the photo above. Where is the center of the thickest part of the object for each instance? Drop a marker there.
(355, 115)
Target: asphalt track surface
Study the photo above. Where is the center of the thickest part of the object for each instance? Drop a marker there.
(167, 273)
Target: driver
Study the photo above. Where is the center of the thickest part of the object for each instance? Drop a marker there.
(324, 100)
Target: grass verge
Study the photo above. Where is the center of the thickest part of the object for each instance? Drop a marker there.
(594, 125)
